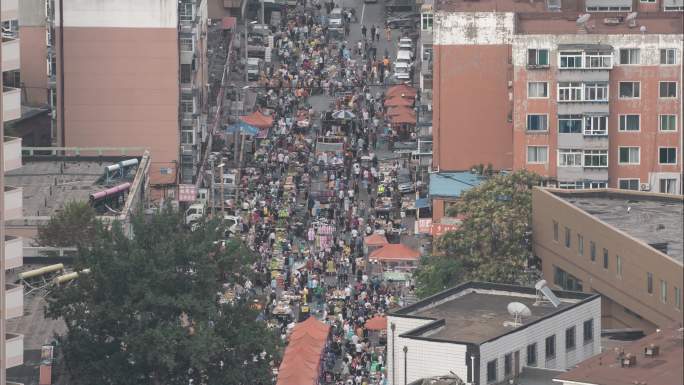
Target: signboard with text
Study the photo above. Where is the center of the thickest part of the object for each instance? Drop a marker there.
(187, 192)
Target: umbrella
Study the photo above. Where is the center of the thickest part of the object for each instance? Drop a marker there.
(398, 101)
(376, 323)
(242, 128)
(343, 114)
(258, 120)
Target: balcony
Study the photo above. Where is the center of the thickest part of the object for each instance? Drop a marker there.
(10, 10)
(14, 255)
(11, 103)
(11, 153)
(14, 294)
(14, 348)
(13, 203)
(10, 54)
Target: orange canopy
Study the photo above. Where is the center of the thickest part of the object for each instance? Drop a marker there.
(375, 240)
(377, 323)
(395, 252)
(398, 101)
(404, 117)
(258, 120)
(302, 359)
(401, 90)
(394, 111)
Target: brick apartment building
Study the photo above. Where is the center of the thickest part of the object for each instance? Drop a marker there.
(586, 93)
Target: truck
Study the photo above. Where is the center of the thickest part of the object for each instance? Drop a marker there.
(253, 68)
(195, 212)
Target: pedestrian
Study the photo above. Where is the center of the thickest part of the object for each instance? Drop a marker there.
(388, 32)
(372, 31)
(363, 32)
(377, 34)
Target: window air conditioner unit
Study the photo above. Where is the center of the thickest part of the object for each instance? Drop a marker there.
(645, 187)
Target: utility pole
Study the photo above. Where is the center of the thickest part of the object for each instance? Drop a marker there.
(3, 306)
(212, 192)
(221, 178)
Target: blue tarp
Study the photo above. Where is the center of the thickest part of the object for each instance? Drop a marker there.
(243, 128)
(452, 184)
(422, 203)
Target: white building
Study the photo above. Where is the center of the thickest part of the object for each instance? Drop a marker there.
(464, 331)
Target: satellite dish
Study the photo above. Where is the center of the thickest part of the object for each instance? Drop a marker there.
(518, 311)
(632, 16)
(583, 18)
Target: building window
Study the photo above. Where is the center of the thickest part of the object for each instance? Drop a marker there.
(538, 57)
(628, 184)
(186, 103)
(550, 347)
(537, 123)
(668, 89)
(508, 364)
(426, 21)
(667, 122)
(571, 59)
(580, 244)
(663, 291)
(596, 92)
(537, 90)
(491, 371)
(628, 155)
(649, 283)
(588, 331)
(565, 280)
(605, 258)
(532, 354)
(598, 59)
(618, 266)
(667, 155)
(592, 251)
(537, 154)
(555, 231)
(185, 44)
(630, 122)
(629, 90)
(187, 137)
(186, 73)
(668, 185)
(609, 8)
(567, 237)
(570, 124)
(596, 125)
(569, 158)
(678, 298)
(185, 11)
(668, 56)
(595, 158)
(629, 56)
(570, 92)
(570, 338)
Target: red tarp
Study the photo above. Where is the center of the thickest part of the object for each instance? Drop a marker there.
(258, 120)
(394, 111)
(375, 240)
(302, 358)
(395, 252)
(377, 323)
(401, 90)
(404, 117)
(396, 101)
(228, 22)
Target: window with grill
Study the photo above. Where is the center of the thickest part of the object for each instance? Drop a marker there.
(569, 158)
(596, 92)
(570, 59)
(569, 92)
(570, 124)
(629, 155)
(596, 125)
(595, 158)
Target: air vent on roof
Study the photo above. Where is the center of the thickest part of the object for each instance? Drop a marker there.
(660, 246)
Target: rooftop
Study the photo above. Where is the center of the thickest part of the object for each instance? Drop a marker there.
(49, 184)
(453, 184)
(475, 312)
(655, 219)
(663, 369)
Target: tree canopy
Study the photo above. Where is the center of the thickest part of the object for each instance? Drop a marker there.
(148, 312)
(493, 243)
(74, 226)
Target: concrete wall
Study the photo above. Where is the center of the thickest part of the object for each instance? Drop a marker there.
(395, 368)
(630, 290)
(119, 13)
(34, 65)
(538, 333)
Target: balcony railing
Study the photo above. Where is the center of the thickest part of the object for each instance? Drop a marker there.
(11, 103)
(14, 348)
(14, 250)
(10, 53)
(13, 203)
(11, 152)
(14, 294)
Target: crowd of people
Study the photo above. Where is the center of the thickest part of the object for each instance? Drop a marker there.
(306, 207)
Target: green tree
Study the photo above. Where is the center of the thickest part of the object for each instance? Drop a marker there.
(148, 312)
(493, 243)
(74, 226)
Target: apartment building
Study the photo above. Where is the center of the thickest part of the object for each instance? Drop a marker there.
(127, 73)
(625, 245)
(585, 93)
(11, 296)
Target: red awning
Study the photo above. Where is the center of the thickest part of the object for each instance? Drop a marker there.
(228, 22)
(377, 323)
(258, 120)
(403, 118)
(396, 101)
(394, 111)
(302, 358)
(395, 252)
(375, 240)
(401, 90)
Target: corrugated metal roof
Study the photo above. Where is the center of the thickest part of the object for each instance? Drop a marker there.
(452, 184)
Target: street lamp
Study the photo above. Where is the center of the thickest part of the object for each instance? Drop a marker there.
(405, 368)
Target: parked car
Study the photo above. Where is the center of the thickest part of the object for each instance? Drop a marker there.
(335, 20)
(402, 71)
(410, 20)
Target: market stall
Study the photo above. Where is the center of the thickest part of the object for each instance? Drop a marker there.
(396, 256)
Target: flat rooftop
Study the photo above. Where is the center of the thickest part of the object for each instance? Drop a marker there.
(49, 184)
(651, 218)
(475, 312)
(663, 369)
